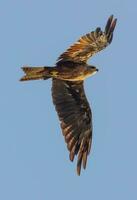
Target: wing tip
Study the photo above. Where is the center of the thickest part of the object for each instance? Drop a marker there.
(111, 23)
(109, 28)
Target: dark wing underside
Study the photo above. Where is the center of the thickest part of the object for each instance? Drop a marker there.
(75, 117)
(90, 43)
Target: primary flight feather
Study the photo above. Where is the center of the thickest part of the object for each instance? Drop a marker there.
(68, 94)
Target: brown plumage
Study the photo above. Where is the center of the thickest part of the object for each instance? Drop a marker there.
(90, 43)
(75, 116)
(68, 94)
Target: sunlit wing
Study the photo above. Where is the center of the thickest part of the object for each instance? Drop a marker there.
(90, 43)
(75, 117)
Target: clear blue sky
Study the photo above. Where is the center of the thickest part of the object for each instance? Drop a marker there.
(34, 163)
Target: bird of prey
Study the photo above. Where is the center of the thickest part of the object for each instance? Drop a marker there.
(68, 75)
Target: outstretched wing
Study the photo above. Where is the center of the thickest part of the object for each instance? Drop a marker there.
(90, 43)
(75, 116)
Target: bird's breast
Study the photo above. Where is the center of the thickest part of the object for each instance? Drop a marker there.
(78, 73)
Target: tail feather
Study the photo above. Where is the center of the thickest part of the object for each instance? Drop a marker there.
(35, 73)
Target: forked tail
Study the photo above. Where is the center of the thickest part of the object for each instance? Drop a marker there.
(35, 73)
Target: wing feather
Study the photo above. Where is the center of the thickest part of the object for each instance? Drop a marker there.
(75, 117)
(89, 44)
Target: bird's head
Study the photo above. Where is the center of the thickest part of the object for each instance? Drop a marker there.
(92, 69)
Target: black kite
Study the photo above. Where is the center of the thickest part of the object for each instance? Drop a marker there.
(68, 94)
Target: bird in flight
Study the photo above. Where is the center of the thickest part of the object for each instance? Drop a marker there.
(68, 75)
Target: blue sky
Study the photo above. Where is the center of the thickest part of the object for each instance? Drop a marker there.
(34, 158)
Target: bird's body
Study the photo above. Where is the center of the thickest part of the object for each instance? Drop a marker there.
(76, 72)
(68, 94)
